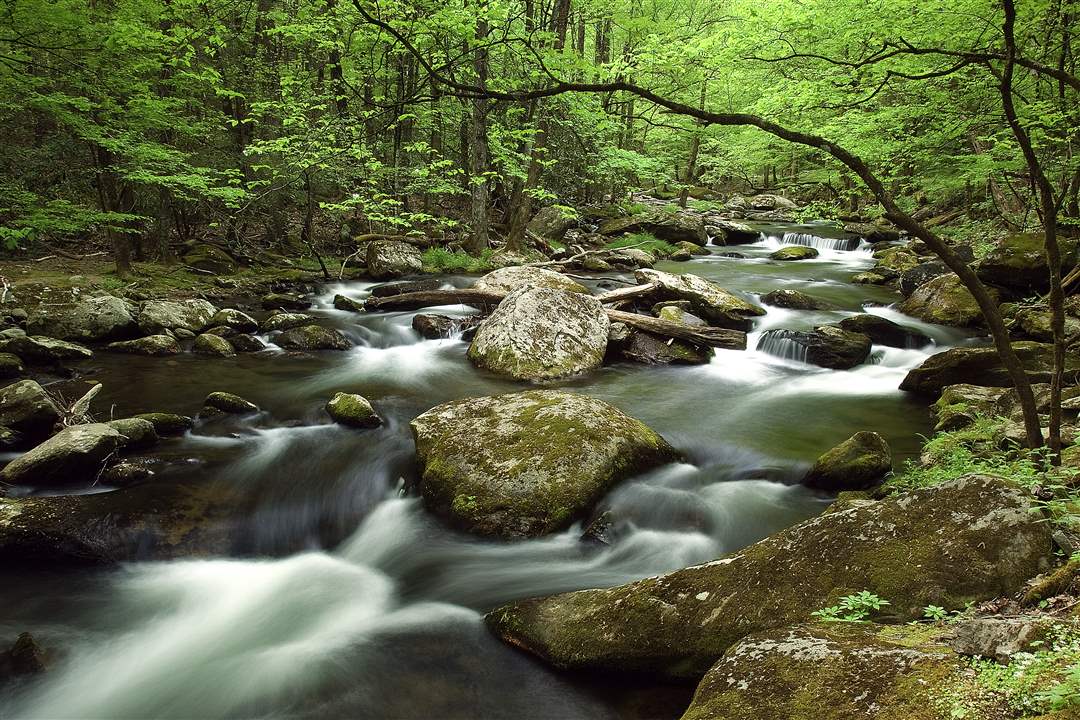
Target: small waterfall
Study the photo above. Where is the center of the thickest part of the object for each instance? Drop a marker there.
(821, 243)
(785, 344)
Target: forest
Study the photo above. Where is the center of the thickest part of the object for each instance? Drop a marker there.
(637, 359)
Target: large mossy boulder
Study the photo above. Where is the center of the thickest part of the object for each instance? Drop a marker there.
(837, 671)
(794, 252)
(982, 366)
(158, 316)
(312, 337)
(26, 408)
(882, 331)
(826, 346)
(542, 333)
(139, 433)
(42, 350)
(74, 455)
(507, 279)
(857, 463)
(211, 259)
(672, 227)
(1018, 262)
(352, 410)
(388, 259)
(234, 319)
(707, 299)
(961, 404)
(944, 300)
(91, 320)
(530, 463)
(153, 345)
(963, 541)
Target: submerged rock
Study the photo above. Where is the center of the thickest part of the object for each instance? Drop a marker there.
(507, 279)
(884, 332)
(41, 350)
(25, 657)
(90, 320)
(157, 316)
(982, 366)
(857, 463)
(794, 252)
(707, 299)
(795, 300)
(26, 408)
(963, 541)
(312, 337)
(945, 301)
(529, 463)
(155, 345)
(542, 333)
(392, 258)
(74, 455)
(828, 672)
(352, 410)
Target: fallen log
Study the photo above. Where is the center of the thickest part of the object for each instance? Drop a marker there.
(628, 293)
(429, 298)
(699, 335)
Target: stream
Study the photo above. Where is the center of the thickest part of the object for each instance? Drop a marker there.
(344, 598)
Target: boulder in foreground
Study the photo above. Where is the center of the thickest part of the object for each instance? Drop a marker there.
(527, 464)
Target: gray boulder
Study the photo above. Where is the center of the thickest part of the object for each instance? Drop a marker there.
(507, 279)
(90, 320)
(157, 316)
(312, 337)
(156, 345)
(74, 455)
(795, 300)
(707, 299)
(41, 350)
(26, 408)
(672, 227)
(391, 258)
(982, 366)
(234, 319)
(211, 344)
(285, 321)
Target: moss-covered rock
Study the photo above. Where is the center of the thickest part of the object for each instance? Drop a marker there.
(244, 343)
(911, 280)
(982, 366)
(312, 337)
(27, 409)
(795, 300)
(551, 223)
(673, 227)
(139, 433)
(224, 402)
(391, 258)
(960, 405)
(530, 463)
(675, 314)
(542, 333)
(41, 350)
(280, 321)
(90, 320)
(692, 248)
(285, 301)
(870, 278)
(74, 455)
(966, 540)
(157, 316)
(944, 300)
(234, 319)
(649, 349)
(213, 344)
(838, 671)
(156, 345)
(794, 252)
(346, 303)
(210, 258)
(507, 279)
(168, 423)
(10, 366)
(352, 410)
(857, 463)
(1018, 262)
(707, 299)
(896, 260)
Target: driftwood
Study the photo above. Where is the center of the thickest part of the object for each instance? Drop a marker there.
(428, 298)
(627, 293)
(699, 335)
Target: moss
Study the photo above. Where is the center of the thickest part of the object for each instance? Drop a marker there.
(438, 261)
(643, 241)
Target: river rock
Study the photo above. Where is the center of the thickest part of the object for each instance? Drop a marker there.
(649, 349)
(74, 455)
(352, 410)
(632, 257)
(139, 433)
(982, 366)
(542, 333)
(405, 286)
(26, 408)
(707, 299)
(1018, 262)
(895, 259)
(285, 321)
(732, 232)
(157, 316)
(344, 302)
(392, 258)
(795, 300)
(855, 464)
(966, 540)
(434, 327)
(692, 248)
(794, 252)
(911, 280)
(675, 314)
(873, 233)
(960, 404)
(507, 279)
(211, 344)
(285, 301)
(871, 278)
(770, 201)
(551, 223)
(228, 403)
(24, 658)
(672, 227)
(312, 337)
(168, 423)
(529, 463)
(41, 350)
(235, 320)
(838, 671)
(10, 366)
(90, 320)
(1035, 324)
(126, 472)
(244, 343)
(884, 332)
(155, 345)
(944, 300)
(827, 346)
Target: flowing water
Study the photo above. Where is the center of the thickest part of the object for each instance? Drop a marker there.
(344, 598)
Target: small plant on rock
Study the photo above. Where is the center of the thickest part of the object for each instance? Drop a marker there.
(852, 608)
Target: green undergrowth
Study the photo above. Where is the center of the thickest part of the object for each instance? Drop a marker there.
(643, 241)
(441, 260)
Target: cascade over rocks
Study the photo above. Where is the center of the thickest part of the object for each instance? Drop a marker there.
(388, 259)
(944, 300)
(707, 300)
(963, 541)
(542, 333)
(982, 366)
(529, 463)
(157, 316)
(827, 346)
(507, 279)
(90, 320)
(857, 463)
(434, 327)
(74, 455)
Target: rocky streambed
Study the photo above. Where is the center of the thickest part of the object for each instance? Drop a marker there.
(362, 528)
